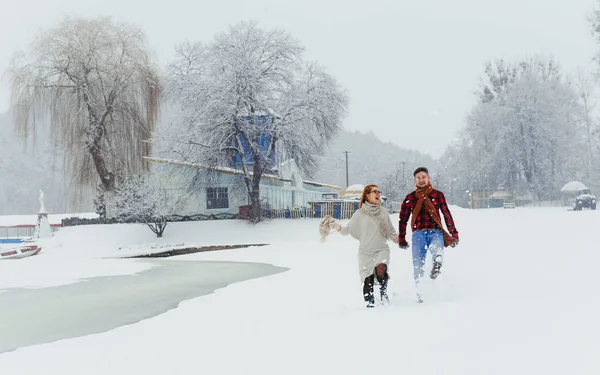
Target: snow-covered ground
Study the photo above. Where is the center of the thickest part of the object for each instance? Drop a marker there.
(518, 296)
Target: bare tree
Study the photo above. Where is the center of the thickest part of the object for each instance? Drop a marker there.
(246, 93)
(95, 82)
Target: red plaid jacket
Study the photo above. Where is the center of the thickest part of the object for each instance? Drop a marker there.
(424, 220)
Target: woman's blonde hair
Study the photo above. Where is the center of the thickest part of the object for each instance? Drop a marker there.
(366, 191)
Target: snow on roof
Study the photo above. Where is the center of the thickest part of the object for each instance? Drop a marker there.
(231, 171)
(573, 186)
(353, 189)
(501, 194)
(200, 166)
(321, 184)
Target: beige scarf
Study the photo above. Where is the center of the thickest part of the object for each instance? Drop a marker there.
(382, 219)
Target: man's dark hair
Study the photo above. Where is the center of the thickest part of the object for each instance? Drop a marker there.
(420, 169)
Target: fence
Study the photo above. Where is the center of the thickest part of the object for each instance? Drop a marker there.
(317, 209)
(287, 213)
(491, 199)
(15, 232)
(74, 221)
(508, 204)
(339, 209)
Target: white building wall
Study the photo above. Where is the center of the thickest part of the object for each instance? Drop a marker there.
(195, 202)
(285, 197)
(277, 193)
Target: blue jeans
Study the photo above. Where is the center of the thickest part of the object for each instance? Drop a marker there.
(423, 240)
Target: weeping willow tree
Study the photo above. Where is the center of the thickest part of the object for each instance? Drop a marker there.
(95, 83)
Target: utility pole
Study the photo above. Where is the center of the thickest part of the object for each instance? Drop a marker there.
(347, 184)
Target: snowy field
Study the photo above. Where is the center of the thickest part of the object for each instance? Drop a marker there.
(519, 295)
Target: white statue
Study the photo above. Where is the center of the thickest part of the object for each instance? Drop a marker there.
(42, 229)
(41, 199)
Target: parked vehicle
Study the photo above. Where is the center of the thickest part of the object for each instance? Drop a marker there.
(584, 199)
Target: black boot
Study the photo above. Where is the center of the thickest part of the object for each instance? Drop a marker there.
(382, 279)
(383, 284)
(437, 265)
(368, 291)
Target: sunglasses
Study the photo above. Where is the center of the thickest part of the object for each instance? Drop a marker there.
(375, 191)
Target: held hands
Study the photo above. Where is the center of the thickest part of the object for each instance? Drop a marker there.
(403, 244)
(334, 225)
(455, 235)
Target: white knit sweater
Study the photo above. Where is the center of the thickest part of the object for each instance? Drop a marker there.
(373, 248)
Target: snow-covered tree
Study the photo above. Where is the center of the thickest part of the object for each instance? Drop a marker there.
(141, 199)
(500, 74)
(394, 184)
(389, 185)
(540, 112)
(452, 180)
(96, 83)
(246, 96)
(520, 135)
(585, 86)
(100, 203)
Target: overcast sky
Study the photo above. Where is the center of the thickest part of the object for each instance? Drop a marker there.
(410, 66)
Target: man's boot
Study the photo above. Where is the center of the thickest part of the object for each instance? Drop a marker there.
(368, 291)
(437, 265)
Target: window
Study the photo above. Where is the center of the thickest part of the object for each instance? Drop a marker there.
(217, 198)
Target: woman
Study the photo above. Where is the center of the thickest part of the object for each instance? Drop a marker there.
(372, 227)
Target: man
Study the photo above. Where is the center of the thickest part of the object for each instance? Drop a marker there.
(424, 205)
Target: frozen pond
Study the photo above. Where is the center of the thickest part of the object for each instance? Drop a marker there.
(36, 316)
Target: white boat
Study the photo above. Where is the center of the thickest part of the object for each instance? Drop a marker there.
(19, 251)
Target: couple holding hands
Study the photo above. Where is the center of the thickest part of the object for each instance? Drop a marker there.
(372, 227)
